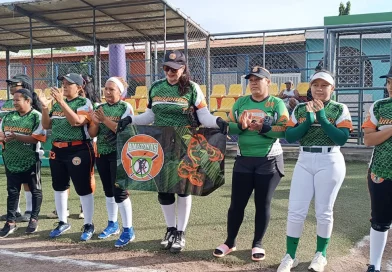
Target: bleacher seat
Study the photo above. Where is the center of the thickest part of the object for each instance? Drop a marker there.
(227, 104)
(3, 94)
(204, 89)
(133, 104)
(142, 106)
(273, 89)
(140, 93)
(282, 87)
(218, 91)
(213, 104)
(103, 100)
(38, 91)
(247, 92)
(47, 92)
(235, 91)
(303, 88)
(221, 114)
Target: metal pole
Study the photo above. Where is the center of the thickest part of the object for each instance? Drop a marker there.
(51, 68)
(186, 40)
(97, 88)
(390, 56)
(99, 71)
(264, 49)
(325, 48)
(155, 61)
(208, 70)
(8, 70)
(31, 53)
(337, 66)
(164, 29)
(362, 84)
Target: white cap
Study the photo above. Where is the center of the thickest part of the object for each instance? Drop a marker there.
(324, 76)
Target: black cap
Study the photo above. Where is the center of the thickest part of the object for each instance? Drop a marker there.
(259, 72)
(174, 59)
(72, 78)
(19, 78)
(387, 75)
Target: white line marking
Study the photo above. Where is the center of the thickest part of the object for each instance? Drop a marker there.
(73, 262)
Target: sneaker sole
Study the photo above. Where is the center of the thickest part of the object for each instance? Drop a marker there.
(30, 232)
(167, 246)
(60, 233)
(10, 232)
(120, 246)
(176, 250)
(89, 238)
(115, 233)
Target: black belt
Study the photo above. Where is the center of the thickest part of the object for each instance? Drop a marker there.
(315, 149)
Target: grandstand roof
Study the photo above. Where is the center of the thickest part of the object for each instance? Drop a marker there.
(61, 23)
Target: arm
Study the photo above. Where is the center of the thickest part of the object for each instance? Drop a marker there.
(206, 118)
(280, 95)
(277, 130)
(374, 137)
(296, 94)
(73, 118)
(93, 129)
(338, 135)
(293, 134)
(46, 121)
(145, 118)
(26, 139)
(235, 126)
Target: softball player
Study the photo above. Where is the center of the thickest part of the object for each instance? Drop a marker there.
(378, 133)
(19, 81)
(20, 131)
(104, 126)
(72, 155)
(167, 99)
(321, 126)
(258, 120)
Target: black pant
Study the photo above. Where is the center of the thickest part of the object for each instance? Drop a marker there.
(261, 175)
(381, 203)
(32, 177)
(76, 163)
(107, 169)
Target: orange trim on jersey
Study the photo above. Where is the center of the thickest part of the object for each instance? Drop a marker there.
(346, 124)
(202, 104)
(85, 113)
(290, 123)
(39, 137)
(369, 124)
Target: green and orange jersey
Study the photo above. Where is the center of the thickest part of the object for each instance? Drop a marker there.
(7, 107)
(337, 114)
(19, 156)
(251, 143)
(169, 107)
(379, 118)
(62, 130)
(114, 112)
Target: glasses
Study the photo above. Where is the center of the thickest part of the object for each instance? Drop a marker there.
(167, 69)
(14, 84)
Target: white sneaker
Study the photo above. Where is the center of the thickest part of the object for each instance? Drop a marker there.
(318, 263)
(287, 263)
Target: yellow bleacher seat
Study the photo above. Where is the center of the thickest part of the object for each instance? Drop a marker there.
(302, 88)
(227, 104)
(282, 87)
(3, 94)
(247, 92)
(47, 92)
(218, 91)
(204, 89)
(213, 105)
(235, 91)
(38, 91)
(273, 89)
(142, 105)
(221, 114)
(103, 100)
(141, 92)
(132, 102)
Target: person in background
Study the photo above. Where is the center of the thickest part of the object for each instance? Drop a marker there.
(290, 96)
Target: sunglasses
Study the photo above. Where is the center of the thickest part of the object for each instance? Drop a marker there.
(14, 84)
(167, 69)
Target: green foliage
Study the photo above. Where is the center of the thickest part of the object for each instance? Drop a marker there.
(344, 9)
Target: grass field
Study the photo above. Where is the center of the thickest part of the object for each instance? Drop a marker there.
(207, 226)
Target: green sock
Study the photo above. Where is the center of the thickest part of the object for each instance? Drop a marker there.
(292, 244)
(322, 244)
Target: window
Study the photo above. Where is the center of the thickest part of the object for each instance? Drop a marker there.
(224, 61)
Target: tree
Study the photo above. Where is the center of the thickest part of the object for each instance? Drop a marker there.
(344, 9)
(348, 7)
(341, 9)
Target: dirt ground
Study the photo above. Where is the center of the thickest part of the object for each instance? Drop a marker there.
(21, 254)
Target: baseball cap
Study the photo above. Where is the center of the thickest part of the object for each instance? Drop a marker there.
(259, 72)
(387, 75)
(72, 78)
(174, 59)
(324, 76)
(19, 78)
(289, 82)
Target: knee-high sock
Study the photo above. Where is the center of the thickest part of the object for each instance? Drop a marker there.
(378, 241)
(18, 209)
(112, 209)
(125, 208)
(169, 211)
(88, 208)
(61, 201)
(184, 205)
(29, 201)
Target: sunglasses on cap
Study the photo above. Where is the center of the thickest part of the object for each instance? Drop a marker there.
(167, 69)
(14, 84)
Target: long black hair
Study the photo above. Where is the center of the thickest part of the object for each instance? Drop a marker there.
(184, 82)
(89, 89)
(27, 94)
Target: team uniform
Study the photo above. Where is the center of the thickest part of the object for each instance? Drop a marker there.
(167, 108)
(319, 172)
(7, 107)
(72, 157)
(22, 162)
(106, 161)
(258, 166)
(380, 181)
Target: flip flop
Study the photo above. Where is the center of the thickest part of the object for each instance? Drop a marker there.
(224, 249)
(258, 254)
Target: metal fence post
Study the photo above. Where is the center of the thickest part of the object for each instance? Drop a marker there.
(8, 70)
(208, 71)
(31, 53)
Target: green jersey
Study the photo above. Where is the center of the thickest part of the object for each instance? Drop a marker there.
(337, 114)
(169, 107)
(7, 107)
(114, 112)
(251, 143)
(379, 117)
(62, 131)
(19, 156)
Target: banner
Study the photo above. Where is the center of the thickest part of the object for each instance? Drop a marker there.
(171, 159)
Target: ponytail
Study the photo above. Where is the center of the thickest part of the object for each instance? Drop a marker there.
(35, 102)
(184, 82)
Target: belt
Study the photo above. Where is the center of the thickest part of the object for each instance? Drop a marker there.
(67, 144)
(316, 149)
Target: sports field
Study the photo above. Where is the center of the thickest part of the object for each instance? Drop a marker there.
(206, 228)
